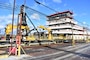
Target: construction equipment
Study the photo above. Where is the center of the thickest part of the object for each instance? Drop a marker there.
(25, 30)
(49, 31)
(25, 34)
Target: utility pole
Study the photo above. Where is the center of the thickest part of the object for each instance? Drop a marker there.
(12, 22)
(83, 33)
(86, 35)
(73, 41)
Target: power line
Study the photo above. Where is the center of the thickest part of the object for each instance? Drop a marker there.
(34, 27)
(82, 23)
(8, 6)
(45, 6)
(35, 10)
(54, 10)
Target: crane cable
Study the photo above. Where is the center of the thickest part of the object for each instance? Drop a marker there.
(33, 25)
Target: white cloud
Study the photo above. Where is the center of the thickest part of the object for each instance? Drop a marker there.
(4, 20)
(75, 14)
(80, 14)
(76, 22)
(2, 26)
(11, 2)
(83, 14)
(38, 23)
(57, 1)
(65, 5)
(84, 22)
(35, 16)
(35, 6)
(43, 2)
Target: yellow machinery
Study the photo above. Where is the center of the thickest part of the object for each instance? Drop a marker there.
(49, 31)
(8, 30)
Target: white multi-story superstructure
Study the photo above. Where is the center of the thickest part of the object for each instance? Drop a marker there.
(63, 25)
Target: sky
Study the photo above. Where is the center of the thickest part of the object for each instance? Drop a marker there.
(80, 9)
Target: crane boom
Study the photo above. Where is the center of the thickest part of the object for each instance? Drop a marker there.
(8, 29)
(49, 31)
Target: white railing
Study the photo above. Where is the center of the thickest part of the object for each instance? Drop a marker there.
(66, 26)
(69, 31)
(54, 22)
(78, 27)
(61, 26)
(62, 31)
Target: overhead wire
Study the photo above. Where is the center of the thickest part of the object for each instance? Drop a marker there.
(8, 6)
(45, 6)
(29, 8)
(32, 23)
(35, 29)
(53, 9)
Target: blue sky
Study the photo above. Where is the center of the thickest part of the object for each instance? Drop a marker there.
(80, 8)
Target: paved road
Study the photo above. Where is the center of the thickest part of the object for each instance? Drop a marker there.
(78, 52)
(57, 52)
